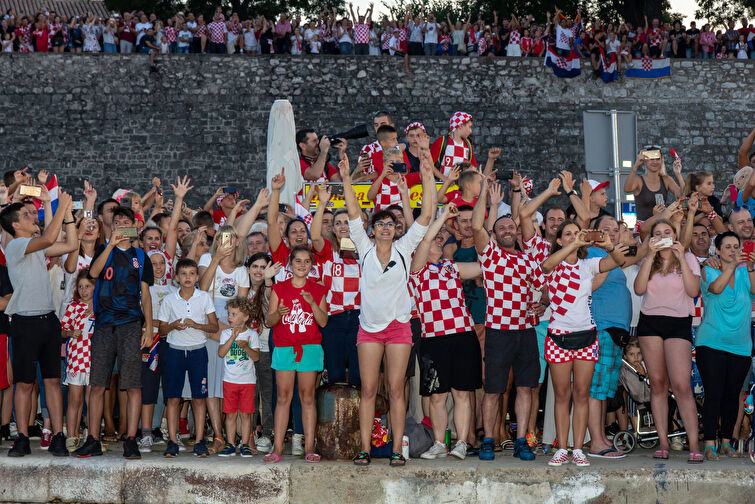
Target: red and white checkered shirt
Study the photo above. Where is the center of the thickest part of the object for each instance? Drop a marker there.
(456, 152)
(389, 195)
(170, 34)
(361, 34)
(78, 351)
(515, 37)
(436, 289)
(385, 41)
(509, 278)
(368, 150)
(201, 30)
(234, 28)
(538, 247)
(570, 291)
(341, 277)
(217, 32)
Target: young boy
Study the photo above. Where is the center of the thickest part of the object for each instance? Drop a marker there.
(121, 300)
(384, 190)
(455, 146)
(185, 317)
(240, 349)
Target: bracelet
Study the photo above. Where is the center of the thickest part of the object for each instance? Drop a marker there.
(750, 270)
(516, 190)
(572, 193)
(712, 215)
(611, 251)
(69, 222)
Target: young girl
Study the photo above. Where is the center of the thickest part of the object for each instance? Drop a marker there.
(316, 46)
(297, 42)
(239, 349)
(8, 42)
(742, 47)
(638, 391)
(703, 184)
(77, 324)
(526, 43)
(296, 312)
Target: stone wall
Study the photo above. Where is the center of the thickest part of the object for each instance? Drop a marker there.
(107, 119)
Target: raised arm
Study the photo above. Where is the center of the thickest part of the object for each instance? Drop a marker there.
(244, 223)
(481, 236)
(348, 191)
(374, 189)
(453, 176)
(273, 231)
(529, 208)
(633, 183)
(179, 193)
(744, 150)
(493, 154)
(420, 256)
(567, 183)
(211, 202)
(406, 203)
(315, 230)
(428, 187)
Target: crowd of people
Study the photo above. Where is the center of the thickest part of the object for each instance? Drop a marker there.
(361, 33)
(137, 308)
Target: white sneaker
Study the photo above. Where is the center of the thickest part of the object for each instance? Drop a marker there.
(180, 443)
(578, 458)
(297, 445)
(437, 450)
(460, 450)
(164, 429)
(264, 445)
(145, 444)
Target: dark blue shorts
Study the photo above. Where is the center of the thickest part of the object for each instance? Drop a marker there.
(180, 362)
(151, 379)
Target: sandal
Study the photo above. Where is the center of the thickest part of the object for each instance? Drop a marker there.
(713, 455)
(661, 454)
(507, 445)
(695, 458)
(110, 438)
(216, 446)
(731, 452)
(312, 457)
(272, 458)
(362, 459)
(397, 460)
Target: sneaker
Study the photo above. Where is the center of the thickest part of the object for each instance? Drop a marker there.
(487, 449)
(146, 442)
(246, 451)
(90, 448)
(297, 445)
(460, 450)
(5, 432)
(183, 427)
(560, 458)
(35, 432)
(171, 451)
(264, 445)
(437, 450)
(522, 450)
(164, 429)
(180, 443)
(13, 428)
(677, 444)
(157, 437)
(58, 445)
(579, 459)
(532, 440)
(228, 451)
(20, 447)
(131, 449)
(612, 430)
(46, 439)
(72, 443)
(200, 449)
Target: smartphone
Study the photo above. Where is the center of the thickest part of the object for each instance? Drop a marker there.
(665, 243)
(88, 214)
(129, 232)
(126, 201)
(225, 238)
(631, 251)
(653, 154)
(77, 205)
(336, 189)
(29, 190)
(685, 203)
(398, 167)
(282, 208)
(505, 175)
(748, 247)
(659, 199)
(593, 235)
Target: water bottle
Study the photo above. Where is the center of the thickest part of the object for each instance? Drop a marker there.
(448, 439)
(405, 447)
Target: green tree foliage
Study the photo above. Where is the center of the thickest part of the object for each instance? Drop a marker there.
(721, 11)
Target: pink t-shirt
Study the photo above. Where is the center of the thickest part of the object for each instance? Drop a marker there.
(665, 293)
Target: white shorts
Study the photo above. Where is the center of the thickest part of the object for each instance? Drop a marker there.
(80, 379)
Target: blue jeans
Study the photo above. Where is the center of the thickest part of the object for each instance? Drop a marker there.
(108, 48)
(430, 49)
(345, 48)
(183, 50)
(173, 48)
(295, 400)
(339, 341)
(708, 55)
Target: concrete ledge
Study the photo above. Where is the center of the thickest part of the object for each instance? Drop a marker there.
(109, 479)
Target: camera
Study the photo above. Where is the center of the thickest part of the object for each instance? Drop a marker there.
(359, 131)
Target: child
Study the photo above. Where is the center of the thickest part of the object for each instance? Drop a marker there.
(742, 47)
(8, 42)
(77, 324)
(638, 391)
(297, 42)
(316, 45)
(240, 349)
(384, 190)
(455, 147)
(185, 317)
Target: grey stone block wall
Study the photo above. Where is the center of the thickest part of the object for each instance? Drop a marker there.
(107, 119)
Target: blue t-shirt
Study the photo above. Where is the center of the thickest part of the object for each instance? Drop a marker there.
(611, 303)
(726, 316)
(750, 204)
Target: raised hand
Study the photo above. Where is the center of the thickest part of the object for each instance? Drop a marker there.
(553, 187)
(450, 211)
(182, 186)
(494, 152)
(495, 193)
(90, 193)
(454, 173)
(278, 181)
(42, 176)
(323, 193)
(263, 198)
(567, 180)
(272, 269)
(307, 297)
(343, 169)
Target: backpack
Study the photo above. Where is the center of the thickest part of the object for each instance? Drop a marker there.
(139, 257)
(444, 144)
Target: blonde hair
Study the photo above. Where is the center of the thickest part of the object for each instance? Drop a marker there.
(239, 255)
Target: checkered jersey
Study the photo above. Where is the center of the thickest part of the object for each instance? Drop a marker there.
(24, 34)
(368, 150)
(385, 41)
(436, 289)
(389, 195)
(361, 34)
(456, 152)
(341, 277)
(482, 45)
(538, 247)
(170, 34)
(78, 351)
(201, 30)
(402, 36)
(234, 28)
(570, 291)
(515, 37)
(508, 278)
(217, 32)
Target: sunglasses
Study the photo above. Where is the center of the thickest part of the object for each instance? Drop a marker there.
(651, 147)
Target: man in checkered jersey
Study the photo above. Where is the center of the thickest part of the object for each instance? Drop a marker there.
(509, 276)
(457, 149)
(366, 169)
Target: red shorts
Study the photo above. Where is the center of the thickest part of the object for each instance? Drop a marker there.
(238, 397)
(554, 354)
(397, 333)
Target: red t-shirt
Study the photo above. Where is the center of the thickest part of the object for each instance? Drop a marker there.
(305, 162)
(127, 34)
(298, 327)
(41, 40)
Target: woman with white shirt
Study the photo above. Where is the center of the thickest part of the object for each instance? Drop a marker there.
(384, 327)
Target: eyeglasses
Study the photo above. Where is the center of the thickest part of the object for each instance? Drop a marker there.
(381, 225)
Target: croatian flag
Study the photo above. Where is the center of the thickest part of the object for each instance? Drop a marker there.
(152, 359)
(608, 66)
(649, 68)
(52, 188)
(563, 66)
(302, 212)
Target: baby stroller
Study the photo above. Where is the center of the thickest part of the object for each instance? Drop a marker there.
(749, 407)
(646, 434)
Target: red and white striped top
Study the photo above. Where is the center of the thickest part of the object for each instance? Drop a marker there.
(437, 290)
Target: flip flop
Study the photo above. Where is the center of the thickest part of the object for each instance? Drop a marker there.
(695, 458)
(312, 457)
(661, 454)
(605, 454)
(272, 458)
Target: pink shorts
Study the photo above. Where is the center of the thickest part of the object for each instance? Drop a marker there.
(554, 354)
(397, 333)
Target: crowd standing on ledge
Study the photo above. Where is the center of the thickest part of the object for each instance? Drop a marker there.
(360, 34)
(139, 309)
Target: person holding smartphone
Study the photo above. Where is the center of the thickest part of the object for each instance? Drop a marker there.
(654, 182)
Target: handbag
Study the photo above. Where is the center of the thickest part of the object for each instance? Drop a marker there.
(619, 336)
(574, 340)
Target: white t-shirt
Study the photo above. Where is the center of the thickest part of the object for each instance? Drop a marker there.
(32, 293)
(431, 33)
(70, 280)
(143, 27)
(237, 366)
(157, 293)
(196, 308)
(309, 34)
(226, 285)
(184, 34)
(570, 306)
(613, 46)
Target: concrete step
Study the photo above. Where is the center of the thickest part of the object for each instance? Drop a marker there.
(637, 479)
